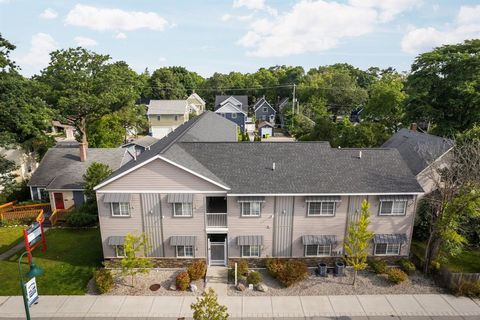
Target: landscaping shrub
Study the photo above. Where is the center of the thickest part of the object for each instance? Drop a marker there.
(197, 270)
(468, 288)
(254, 278)
(242, 267)
(80, 219)
(378, 266)
(288, 272)
(103, 280)
(182, 281)
(396, 275)
(406, 265)
(274, 266)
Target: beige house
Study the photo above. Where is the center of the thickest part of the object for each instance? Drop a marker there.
(164, 116)
(221, 201)
(25, 161)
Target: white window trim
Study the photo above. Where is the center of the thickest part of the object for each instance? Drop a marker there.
(119, 209)
(184, 251)
(319, 255)
(265, 109)
(391, 211)
(251, 215)
(182, 215)
(234, 116)
(386, 249)
(322, 214)
(116, 251)
(250, 255)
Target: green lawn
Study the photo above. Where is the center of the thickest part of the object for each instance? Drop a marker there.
(468, 261)
(71, 257)
(10, 236)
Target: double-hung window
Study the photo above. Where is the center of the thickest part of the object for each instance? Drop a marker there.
(393, 208)
(321, 208)
(119, 251)
(234, 115)
(251, 209)
(182, 209)
(184, 251)
(250, 251)
(318, 250)
(387, 249)
(120, 209)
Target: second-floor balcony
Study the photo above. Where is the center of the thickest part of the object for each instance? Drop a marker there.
(216, 215)
(216, 220)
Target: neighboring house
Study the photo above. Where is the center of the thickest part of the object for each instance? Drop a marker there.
(264, 111)
(280, 107)
(137, 146)
(233, 108)
(166, 115)
(67, 130)
(25, 161)
(420, 151)
(59, 176)
(222, 201)
(265, 129)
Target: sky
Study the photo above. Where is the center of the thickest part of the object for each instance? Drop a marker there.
(237, 35)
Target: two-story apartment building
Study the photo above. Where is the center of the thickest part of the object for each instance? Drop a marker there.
(233, 108)
(221, 201)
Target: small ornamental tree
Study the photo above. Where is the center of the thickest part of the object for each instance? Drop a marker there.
(131, 263)
(358, 240)
(96, 173)
(208, 308)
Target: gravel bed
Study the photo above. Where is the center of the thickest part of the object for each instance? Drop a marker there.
(367, 283)
(143, 281)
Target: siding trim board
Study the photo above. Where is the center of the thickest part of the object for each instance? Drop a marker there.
(151, 209)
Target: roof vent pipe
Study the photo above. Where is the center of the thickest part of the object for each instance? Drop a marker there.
(273, 166)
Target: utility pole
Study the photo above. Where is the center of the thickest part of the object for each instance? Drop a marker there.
(293, 104)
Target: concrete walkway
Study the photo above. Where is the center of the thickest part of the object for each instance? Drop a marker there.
(392, 307)
(10, 252)
(217, 278)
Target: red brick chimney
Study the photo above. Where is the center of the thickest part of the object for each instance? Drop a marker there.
(83, 151)
(413, 126)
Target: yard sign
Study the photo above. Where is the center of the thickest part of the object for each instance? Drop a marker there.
(31, 290)
(33, 237)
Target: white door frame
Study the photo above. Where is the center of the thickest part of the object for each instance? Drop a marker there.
(217, 262)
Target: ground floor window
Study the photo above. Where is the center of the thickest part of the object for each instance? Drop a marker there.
(42, 194)
(184, 251)
(387, 249)
(250, 251)
(119, 251)
(318, 250)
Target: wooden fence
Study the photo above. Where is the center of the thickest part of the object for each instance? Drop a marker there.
(452, 280)
(24, 213)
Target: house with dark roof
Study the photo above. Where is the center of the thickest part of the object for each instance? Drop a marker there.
(421, 152)
(137, 146)
(220, 201)
(264, 111)
(233, 108)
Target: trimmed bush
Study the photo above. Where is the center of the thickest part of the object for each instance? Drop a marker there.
(378, 266)
(80, 219)
(274, 266)
(396, 275)
(103, 280)
(182, 281)
(468, 288)
(242, 267)
(254, 278)
(197, 270)
(406, 265)
(293, 272)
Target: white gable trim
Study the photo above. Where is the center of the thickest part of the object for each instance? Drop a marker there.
(261, 105)
(229, 108)
(166, 160)
(232, 100)
(197, 97)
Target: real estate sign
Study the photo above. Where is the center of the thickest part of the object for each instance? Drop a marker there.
(31, 290)
(34, 233)
(33, 237)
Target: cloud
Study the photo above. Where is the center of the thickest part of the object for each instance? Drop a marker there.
(467, 26)
(226, 17)
(387, 9)
(48, 13)
(103, 19)
(254, 5)
(38, 56)
(309, 26)
(85, 42)
(120, 36)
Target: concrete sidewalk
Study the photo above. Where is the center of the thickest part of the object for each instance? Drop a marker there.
(390, 307)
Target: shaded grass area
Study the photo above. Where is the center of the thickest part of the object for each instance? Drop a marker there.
(9, 237)
(69, 261)
(468, 261)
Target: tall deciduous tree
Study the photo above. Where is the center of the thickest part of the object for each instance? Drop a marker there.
(444, 88)
(358, 240)
(96, 173)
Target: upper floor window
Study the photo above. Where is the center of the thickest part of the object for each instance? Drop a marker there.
(250, 209)
(321, 208)
(182, 210)
(176, 118)
(393, 208)
(120, 209)
(234, 115)
(159, 117)
(265, 109)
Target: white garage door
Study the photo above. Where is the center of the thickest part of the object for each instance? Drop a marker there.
(160, 132)
(265, 131)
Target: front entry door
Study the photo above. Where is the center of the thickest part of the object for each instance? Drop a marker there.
(58, 197)
(283, 227)
(217, 252)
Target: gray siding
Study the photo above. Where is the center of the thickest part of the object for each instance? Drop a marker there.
(78, 198)
(283, 227)
(259, 114)
(243, 226)
(152, 223)
(160, 175)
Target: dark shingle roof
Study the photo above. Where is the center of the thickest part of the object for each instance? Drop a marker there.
(301, 167)
(242, 99)
(61, 168)
(418, 149)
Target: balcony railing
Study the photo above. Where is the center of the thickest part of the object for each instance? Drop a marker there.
(216, 220)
